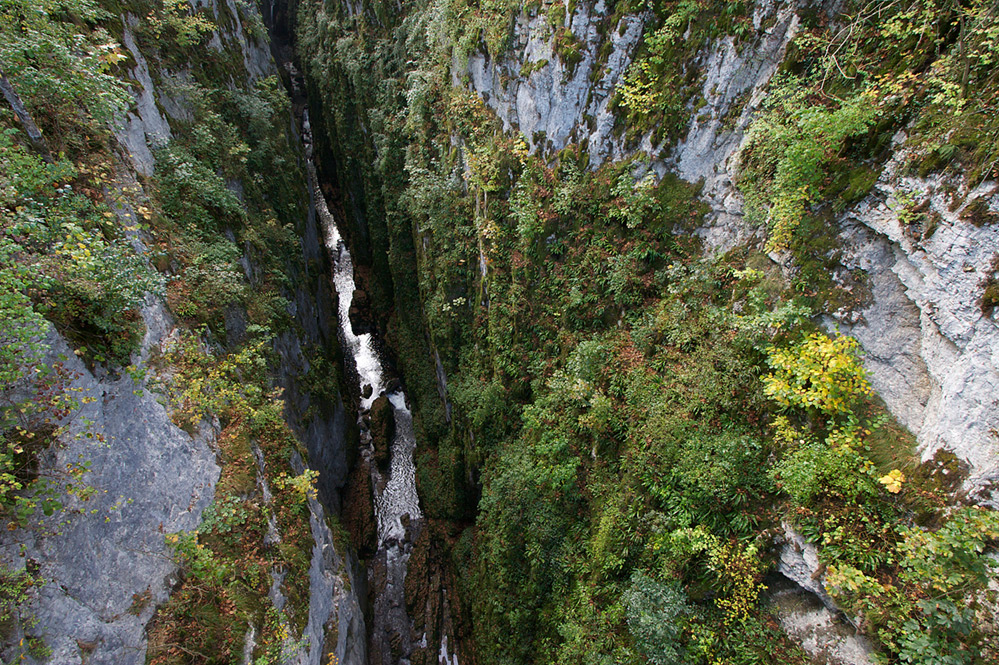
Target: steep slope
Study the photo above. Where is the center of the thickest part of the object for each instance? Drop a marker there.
(669, 328)
(603, 239)
(169, 516)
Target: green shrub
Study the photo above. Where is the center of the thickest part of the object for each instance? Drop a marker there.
(63, 252)
(813, 470)
(211, 282)
(59, 59)
(787, 150)
(177, 23)
(192, 195)
(654, 612)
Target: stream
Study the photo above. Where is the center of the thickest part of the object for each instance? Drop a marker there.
(396, 502)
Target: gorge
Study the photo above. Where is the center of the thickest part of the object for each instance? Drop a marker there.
(474, 331)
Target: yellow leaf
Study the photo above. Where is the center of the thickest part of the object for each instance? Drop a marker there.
(893, 481)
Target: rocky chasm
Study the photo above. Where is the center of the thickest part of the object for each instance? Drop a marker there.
(388, 309)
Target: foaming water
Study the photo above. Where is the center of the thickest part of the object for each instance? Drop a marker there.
(360, 347)
(399, 498)
(396, 503)
(396, 495)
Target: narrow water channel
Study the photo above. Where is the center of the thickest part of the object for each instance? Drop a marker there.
(396, 502)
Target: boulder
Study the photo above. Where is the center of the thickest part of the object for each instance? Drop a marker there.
(382, 430)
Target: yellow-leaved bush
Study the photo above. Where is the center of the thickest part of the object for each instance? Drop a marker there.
(819, 372)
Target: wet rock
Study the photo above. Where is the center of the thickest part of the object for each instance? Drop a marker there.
(366, 391)
(390, 635)
(360, 313)
(423, 595)
(382, 429)
(359, 511)
(432, 599)
(393, 385)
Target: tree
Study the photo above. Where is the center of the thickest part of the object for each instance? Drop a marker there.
(653, 611)
(53, 56)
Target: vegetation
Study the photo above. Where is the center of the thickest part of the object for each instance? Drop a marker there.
(627, 424)
(84, 248)
(663, 81)
(246, 536)
(923, 66)
(795, 141)
(64, 260)
(630, 422)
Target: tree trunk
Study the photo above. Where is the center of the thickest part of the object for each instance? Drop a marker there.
(34, 134)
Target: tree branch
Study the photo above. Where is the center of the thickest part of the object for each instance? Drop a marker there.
(34, 134)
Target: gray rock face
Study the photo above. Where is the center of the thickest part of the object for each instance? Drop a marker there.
(821, 633)
(554, 105)
(105, 558)
(708, 152)
(807, 612)
(256, 54)
(932, 353)
(799, 562)
(145, 126)
(334, 605)
(550, 106)
(321, 426)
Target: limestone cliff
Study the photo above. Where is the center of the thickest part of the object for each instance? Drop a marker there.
(930, 348)
(103, 564)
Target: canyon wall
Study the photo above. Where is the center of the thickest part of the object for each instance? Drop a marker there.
(104, 563)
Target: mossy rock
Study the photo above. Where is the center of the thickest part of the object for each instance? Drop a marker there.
(978, 213)
(359, 513)
(990, 297)
(935, 160)
(382, 429)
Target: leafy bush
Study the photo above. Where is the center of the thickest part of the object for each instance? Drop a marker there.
(821, 373)
(212, 281)
(652, 85)
(229, 387)
(953, 558)
(787, 149)
(654, 610)
(59, 59)
(637, 199)
(94, 296)
(812, 470)
(932, 614)
(66, 256)
(193, 195)
(178, 23)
